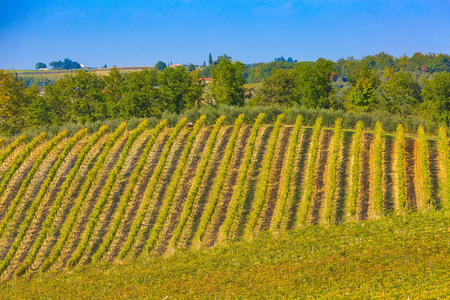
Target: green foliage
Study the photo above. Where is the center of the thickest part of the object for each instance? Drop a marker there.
(330, 204)
(400, 92)
(25, 225)
(142, 211)
(308, 186)
(61, 195)
(180, 89)
(106, 191)
(436, 93)
(174, 184)
(239, 194)
(140, 96)
(361, 95)
(263, 180)
(399, 163)
(355, 169)
(69, 222)
(279, 88)
(288, 174)
(228, 83)
(66, 64)
(200, 173)
(220, 179)
(125, 199)
(160, 66)
(40, 65)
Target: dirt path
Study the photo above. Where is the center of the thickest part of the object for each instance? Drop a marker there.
(120, 184)
(68, 200)
(160, 192)
(363, 204)
(411, 202)
(205, 190)
(230, 183)
(91, 199)
(138, 195)
(282, 149)
(320, 177)
(299, 178)
(237, 230)
(433, 158)
(45, 206)
(185, 184)
(388, 175)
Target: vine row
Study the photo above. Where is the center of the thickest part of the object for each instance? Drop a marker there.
(142, 211)
(60, 196)
(104, 195)
(310, 176)
(355, 170)
(377, 173)
(157, 228)
(220, 179)
(263, 182)
(200, 173)
(239, 195)
(90, 178)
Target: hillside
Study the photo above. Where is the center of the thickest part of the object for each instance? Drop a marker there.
(117, 196)
(399, 257)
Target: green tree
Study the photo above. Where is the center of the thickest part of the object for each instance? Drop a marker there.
(228, 82)
(400, 92)
(40, 65)
(113, 91)
(77, 97)
(313, 84)
(14, 101)
(191, 67)
(160, 66)
(210, 61)
(361, 96)
(436, 93)
(279, 88)
(141, 97)
(180, 89)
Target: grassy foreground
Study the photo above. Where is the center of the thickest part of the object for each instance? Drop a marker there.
(398, 257)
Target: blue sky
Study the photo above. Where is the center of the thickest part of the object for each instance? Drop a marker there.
(136, 33)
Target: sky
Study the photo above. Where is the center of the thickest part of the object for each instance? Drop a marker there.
(139, 33)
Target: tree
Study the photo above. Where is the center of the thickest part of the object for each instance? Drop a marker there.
(279, 88)
(400, 92)
(191, 67)
(436, 93)
(210, 61)
(160, 66)
(77, 97)
(67, 64)
(14, 101)
(313, 84)
(40, 65)
(113, 91)
(141, 96)
(228, 82)
(180, 89)
(361, 95)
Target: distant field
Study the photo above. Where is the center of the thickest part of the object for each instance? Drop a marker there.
(123, 195)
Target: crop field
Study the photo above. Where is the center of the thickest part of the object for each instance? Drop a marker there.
(117, 195)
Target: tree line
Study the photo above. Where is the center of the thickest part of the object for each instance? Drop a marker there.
(418, 86)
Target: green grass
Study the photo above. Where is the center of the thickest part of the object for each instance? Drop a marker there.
(396, 257)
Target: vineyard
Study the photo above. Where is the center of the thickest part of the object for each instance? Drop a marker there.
(117, 195)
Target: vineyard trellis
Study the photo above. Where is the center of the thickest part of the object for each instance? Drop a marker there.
(93, 214)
